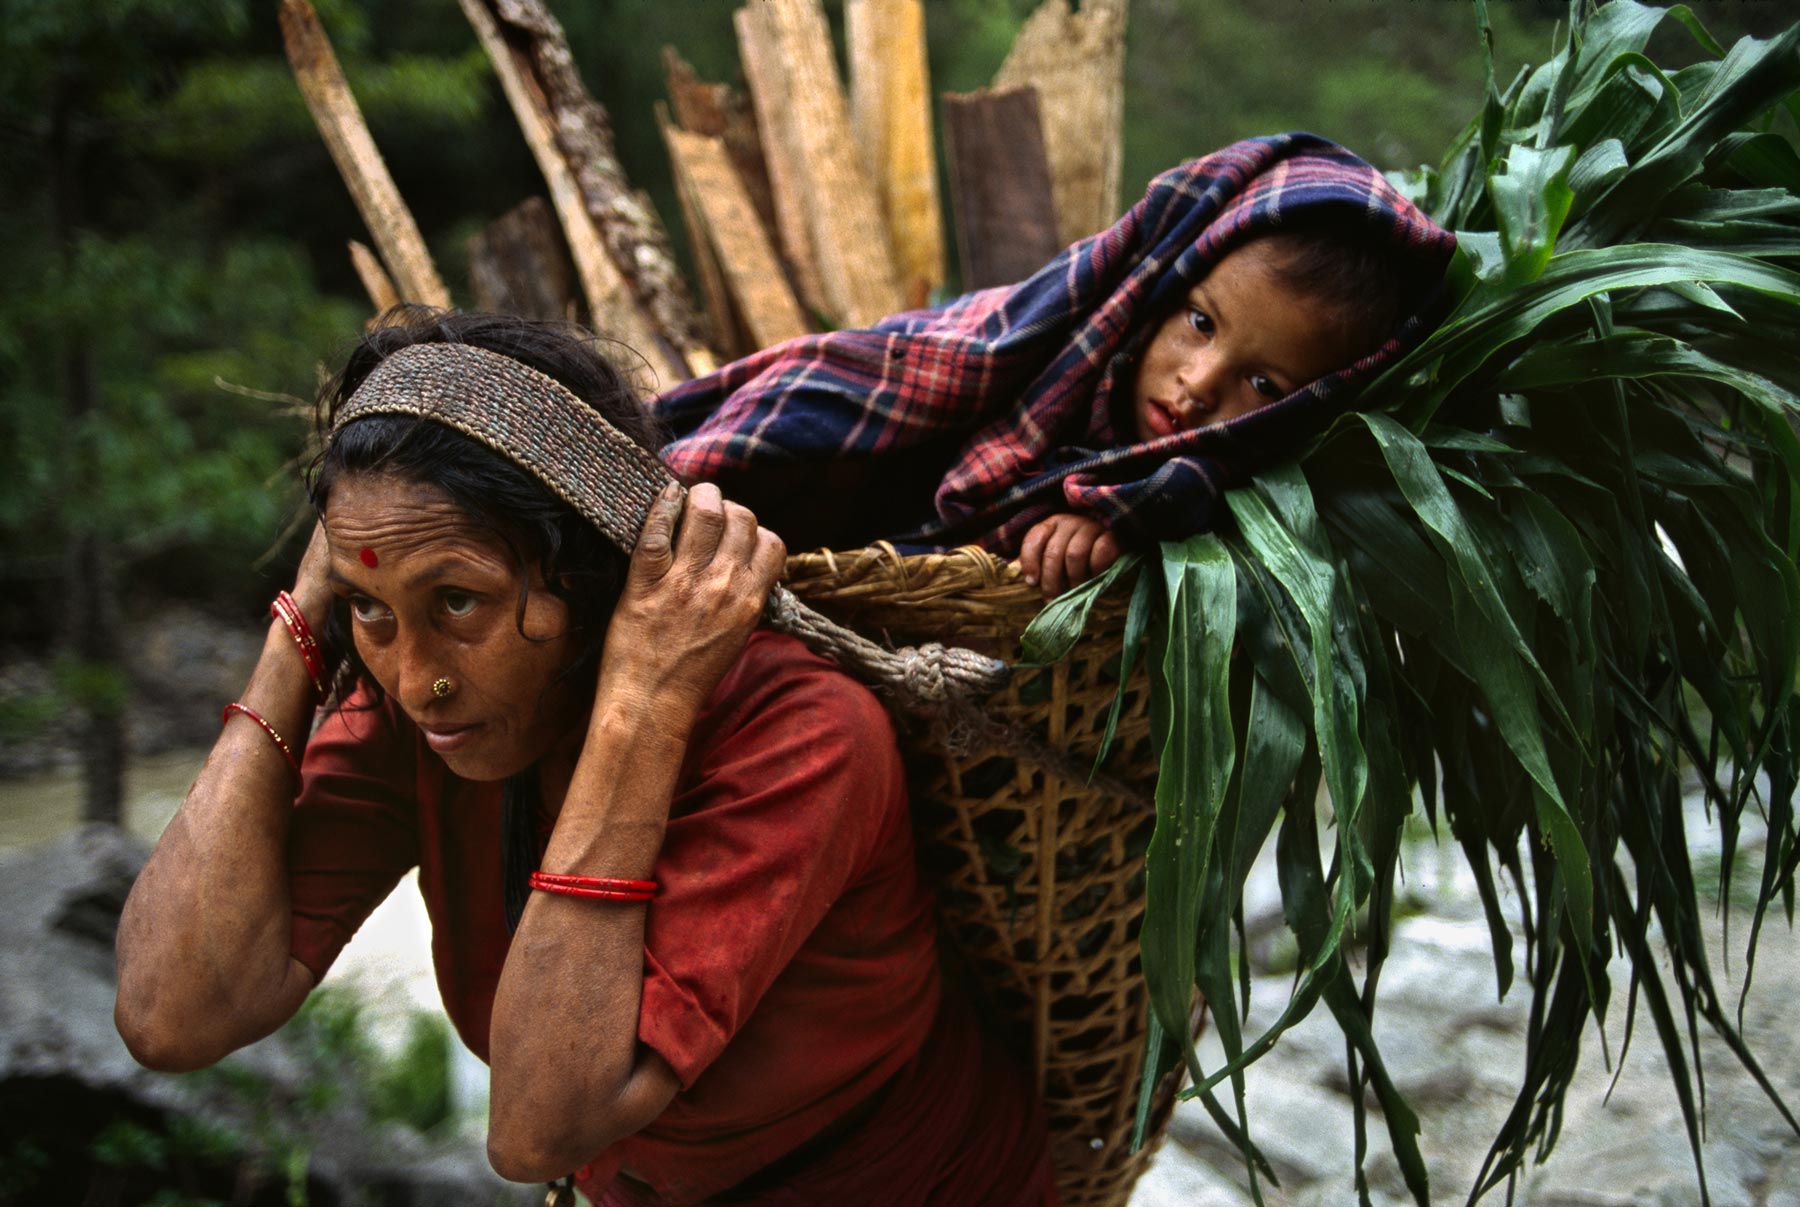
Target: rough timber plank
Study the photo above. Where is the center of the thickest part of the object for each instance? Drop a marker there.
(1076, 60)
(374, 278)
(347, 138)
(999, 185)
(735, 237)
(766, 76)
(612, 307)
(625, 217)
(519, 264)
(849, 237)
(721, 111)
(890, 106)
(729, 333)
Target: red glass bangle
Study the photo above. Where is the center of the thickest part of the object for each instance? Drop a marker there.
(287, 752)
(594, 888)
(609, 882)
(288, 613)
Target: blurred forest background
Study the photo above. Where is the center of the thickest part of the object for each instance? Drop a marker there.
(170, 221)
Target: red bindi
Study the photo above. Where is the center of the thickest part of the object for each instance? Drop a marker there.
(368, 558)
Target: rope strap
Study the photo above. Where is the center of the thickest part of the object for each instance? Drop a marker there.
(535, 422)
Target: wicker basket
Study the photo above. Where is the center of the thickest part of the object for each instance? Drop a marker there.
(1052, 940)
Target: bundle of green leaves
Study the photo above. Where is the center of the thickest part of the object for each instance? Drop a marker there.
(1546, 574)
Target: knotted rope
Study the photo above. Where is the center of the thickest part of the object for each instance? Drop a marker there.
(538, 424)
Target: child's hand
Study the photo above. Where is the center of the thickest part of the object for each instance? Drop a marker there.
(1065, 550)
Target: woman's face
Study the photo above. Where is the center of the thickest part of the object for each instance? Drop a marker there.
(433, 596)
(1243, 339)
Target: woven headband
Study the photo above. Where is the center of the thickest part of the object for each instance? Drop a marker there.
(529, 418)
(538, 424)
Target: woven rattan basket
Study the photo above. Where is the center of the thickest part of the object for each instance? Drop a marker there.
(1039, 875)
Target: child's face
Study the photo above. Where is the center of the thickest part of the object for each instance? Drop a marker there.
(1244, 339)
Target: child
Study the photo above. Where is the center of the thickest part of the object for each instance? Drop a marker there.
(1274, 314)
(1108, 400)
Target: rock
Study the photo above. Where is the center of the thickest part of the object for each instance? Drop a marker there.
(183, 664)
(1456, 1051)
(79, 1105)
(1178, 1178)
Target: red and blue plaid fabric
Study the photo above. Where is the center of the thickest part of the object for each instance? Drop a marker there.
(1006, 394)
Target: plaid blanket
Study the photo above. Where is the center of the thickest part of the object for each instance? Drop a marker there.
(972, 421)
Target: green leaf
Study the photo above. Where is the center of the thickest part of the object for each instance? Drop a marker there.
(1531, 199)
(1053, 632)
(1296, 562)
(1754, 76)
(1137, 619)
(1488, 321)
(1598, 167)
(1424, 489)
(1192, 724)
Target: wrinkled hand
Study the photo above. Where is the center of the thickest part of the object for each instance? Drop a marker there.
(1064, 551)
(693, 595)
(312, 584)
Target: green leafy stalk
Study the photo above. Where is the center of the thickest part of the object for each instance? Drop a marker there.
(1541, 583)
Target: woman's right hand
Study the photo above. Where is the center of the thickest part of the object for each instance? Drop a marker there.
(312, 584)
(698, 581)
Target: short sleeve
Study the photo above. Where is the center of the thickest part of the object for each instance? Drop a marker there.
(355, 827)
(792, 796)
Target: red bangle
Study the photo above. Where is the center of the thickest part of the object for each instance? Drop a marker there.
(636, 886)
(287, 752)
(594, 888)
(288, 613)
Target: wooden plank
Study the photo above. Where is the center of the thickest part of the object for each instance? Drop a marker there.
(519, 264)
(999, 185)
(374, 278)
(1076, 60)
(626, 219)
(890, 107)
(766, 76)
(735, 237)
(358, 161)
(849, 237)
(612, 307)
(729, 332)
(721, 111)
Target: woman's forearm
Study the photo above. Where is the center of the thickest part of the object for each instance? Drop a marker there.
(569, 1077)
(203, 944)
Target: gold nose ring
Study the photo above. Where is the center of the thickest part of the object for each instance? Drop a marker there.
(442, 687)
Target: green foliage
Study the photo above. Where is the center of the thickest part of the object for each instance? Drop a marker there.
(168, 1197)
(145, 218)
(126, 1144)
(411, 1086)
(1372, 76)
(1548, 575)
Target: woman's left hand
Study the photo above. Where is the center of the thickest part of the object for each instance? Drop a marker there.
(695, 592)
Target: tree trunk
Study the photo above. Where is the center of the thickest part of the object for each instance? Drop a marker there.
(90, 637)
(91, 612)
(627, 221)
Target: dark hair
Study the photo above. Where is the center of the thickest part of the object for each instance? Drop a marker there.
(579, 565)
(1356, 271)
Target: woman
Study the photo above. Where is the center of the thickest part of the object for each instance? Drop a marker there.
(724, 987)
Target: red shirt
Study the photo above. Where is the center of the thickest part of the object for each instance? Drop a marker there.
(790, 967)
